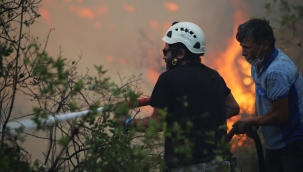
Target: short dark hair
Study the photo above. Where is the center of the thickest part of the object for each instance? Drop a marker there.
(258, 29)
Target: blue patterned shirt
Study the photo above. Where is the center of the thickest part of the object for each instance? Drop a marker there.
(278, 79)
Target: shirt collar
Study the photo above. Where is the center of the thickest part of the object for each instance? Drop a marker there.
(273, 54)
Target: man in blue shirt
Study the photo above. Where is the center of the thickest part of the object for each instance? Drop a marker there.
(279, 97)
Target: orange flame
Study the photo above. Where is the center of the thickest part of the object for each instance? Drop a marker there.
(154, 24)
(128, 7)
(236, 71)
(45, 15)
(229, 67)
(89, 13)
(171, 6)
(110, 58)
(83, 12)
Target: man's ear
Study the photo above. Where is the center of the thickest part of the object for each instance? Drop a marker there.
(181, 53)
(266, 45)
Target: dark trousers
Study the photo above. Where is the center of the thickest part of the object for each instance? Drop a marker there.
(287, 159)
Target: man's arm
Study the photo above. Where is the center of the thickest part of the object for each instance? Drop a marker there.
(278, 115)
(250, 132)
(231, 106)
(142, 124)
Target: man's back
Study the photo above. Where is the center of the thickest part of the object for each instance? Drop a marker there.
(194, 95)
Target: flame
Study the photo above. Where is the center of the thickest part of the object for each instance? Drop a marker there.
(110, 58)
(228, 65)
(171, 6)
(45, 15)
(88, 13)
(128, 7)
(83, 12)
(154, 24)
(236, 71)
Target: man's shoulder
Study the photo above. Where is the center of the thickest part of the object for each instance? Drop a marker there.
(282, 63)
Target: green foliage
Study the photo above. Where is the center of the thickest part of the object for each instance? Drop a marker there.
(63, 141)
(289, 16)
(5, 51)
(14, 159)
(287, 19)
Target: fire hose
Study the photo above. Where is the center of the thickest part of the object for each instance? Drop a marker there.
(258, 145)
(29, 124)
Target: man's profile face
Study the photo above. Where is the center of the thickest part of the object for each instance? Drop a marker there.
(166, 53)
(249, 49)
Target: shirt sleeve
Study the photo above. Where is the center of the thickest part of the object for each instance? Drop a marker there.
(277, 85)
(162, 96)
(227, 90)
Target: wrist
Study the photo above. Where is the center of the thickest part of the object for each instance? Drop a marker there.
(254, 120)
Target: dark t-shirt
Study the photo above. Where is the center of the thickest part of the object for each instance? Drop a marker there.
(194, 97)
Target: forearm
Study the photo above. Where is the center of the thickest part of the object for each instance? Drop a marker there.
(269, 118)
(278, 115)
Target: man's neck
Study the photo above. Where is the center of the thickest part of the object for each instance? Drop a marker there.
(266, 56)
(184, 62)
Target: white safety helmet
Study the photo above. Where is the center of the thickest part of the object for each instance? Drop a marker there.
(190, 34)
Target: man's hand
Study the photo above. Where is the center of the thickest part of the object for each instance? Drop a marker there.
(244, 125)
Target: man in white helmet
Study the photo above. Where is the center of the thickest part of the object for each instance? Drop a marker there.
(196, 98)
